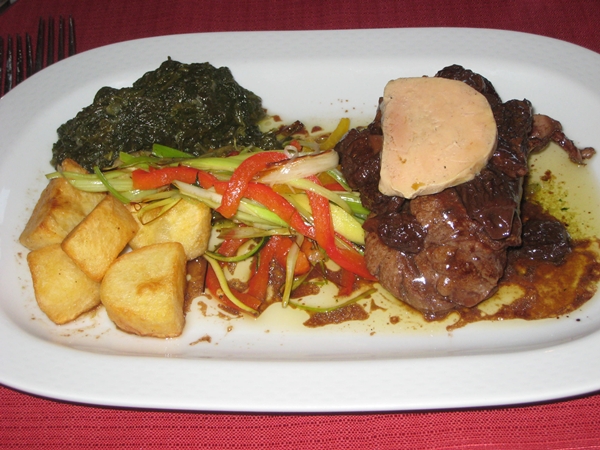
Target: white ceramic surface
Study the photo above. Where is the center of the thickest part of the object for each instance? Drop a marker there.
(275, 364)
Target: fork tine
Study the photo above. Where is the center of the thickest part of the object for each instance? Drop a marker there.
(28, 56)
(17, 63)
(19, 75)
(50, 52)
(39, 48)
(1, 65)
(8, 68)
(72, 44)
(61, 38)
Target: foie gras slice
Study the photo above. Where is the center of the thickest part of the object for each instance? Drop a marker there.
(437, 133)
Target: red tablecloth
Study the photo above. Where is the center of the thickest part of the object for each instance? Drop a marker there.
(31, 422)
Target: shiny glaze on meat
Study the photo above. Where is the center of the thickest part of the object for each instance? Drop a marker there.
(449, 250)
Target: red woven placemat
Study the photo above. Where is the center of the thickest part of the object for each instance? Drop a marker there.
(110, 21)
(30, 422)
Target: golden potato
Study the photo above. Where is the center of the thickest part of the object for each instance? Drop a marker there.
(97, 241)
(62, 290)
(58, 210)
(188, 222)
(143, 290)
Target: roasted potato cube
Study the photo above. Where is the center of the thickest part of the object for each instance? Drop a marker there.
(143, 290)
(188, 222)
(62, 290)
(97, 241)
(59, 209)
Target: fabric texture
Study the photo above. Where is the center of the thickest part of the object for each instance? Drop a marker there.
(110, 21)
(27, 421)
(30, 423)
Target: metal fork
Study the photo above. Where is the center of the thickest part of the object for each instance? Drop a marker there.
(12, 71)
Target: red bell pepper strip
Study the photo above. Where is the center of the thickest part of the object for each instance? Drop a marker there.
(325, 237)
(266, 196)
(208, 180)
(229, 247)
(247, 299)
(214, 287)
(276, 203)
(240, 178)
(335, 186)
(259, 283)
(276, 249)
(347, 279)
(282, 249)
(155, 178)
(302, 264)
(294, 143)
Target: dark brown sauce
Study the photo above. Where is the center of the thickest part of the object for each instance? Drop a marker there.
(305, 289)
(375, 306)
(205, 338)
(344, 314)
(196, 273)
(547, 290)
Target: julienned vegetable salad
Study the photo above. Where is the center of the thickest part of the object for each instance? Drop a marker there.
(292, 206)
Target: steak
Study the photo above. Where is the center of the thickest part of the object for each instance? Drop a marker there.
(447, 250)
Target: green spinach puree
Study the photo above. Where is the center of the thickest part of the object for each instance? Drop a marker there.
(191, 107)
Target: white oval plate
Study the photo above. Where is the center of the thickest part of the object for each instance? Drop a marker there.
(274, 364)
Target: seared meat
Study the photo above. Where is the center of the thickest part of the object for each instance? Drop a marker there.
(457, 265)
(544, 237)
(546, 129)
(361, 162)
(446, 250)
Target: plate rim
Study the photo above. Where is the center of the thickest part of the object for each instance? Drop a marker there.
(114, 392)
